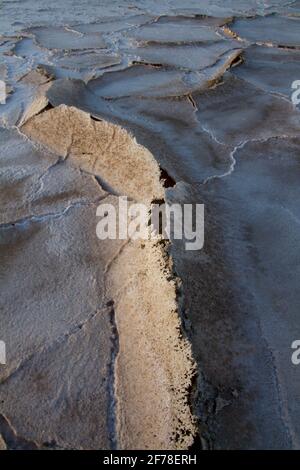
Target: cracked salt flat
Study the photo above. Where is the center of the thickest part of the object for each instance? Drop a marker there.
(238, 296)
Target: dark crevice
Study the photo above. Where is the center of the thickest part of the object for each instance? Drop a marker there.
(192, 101)
(95, 118)
(149, 64)
(166, 179)
(294, 48)
(237, 61)
(114, 350)
(157, 210)
(103, 184)
(197, 444)
(46, 108)
(11, 439)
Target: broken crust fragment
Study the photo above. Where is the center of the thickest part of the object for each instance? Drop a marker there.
(154, 366)
(100, 148)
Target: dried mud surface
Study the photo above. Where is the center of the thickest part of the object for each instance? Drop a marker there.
(142, 344)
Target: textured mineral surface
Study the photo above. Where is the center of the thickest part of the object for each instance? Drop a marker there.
(142, 344)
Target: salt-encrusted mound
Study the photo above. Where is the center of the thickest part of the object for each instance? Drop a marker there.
(154, 367)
